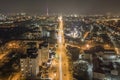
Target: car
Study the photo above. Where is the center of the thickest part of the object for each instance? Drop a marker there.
(64, 74)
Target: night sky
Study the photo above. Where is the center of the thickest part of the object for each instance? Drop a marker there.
(61, 6)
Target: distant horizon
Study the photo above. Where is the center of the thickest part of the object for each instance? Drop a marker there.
(50, 14)
(84, 7)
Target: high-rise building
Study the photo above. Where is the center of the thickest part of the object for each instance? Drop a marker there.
(43, 52)
(29, 64)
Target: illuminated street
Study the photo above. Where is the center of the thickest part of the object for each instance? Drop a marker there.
(63, 60)
(15, 76)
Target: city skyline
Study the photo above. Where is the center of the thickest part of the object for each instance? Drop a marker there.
(59, 40)
(86, 7)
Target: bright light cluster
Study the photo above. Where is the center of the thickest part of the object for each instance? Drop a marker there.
(60, 18)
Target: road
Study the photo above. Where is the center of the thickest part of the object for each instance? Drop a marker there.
(61, 50)
(3, 55)
(114, 43)
(15, 76)
(7, 48)
(85, 35)
(67, 44)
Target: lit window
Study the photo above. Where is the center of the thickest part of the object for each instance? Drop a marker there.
(30, 65)
(25, 65)
(21, 65)
(22, 69)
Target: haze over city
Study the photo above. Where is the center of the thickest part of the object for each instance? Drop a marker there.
(83, 7)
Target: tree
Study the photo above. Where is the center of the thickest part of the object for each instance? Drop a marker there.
(74, 53)
(79, 73)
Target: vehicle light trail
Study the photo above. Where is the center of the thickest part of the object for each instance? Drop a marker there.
(60, 44)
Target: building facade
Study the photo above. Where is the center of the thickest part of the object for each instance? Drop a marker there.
(29, 65)
(43, 52)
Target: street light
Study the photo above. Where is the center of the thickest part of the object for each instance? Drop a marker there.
(54, 74)
(82, 40)
(88, 46)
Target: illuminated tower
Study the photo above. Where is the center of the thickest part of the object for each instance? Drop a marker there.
(47, 12)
